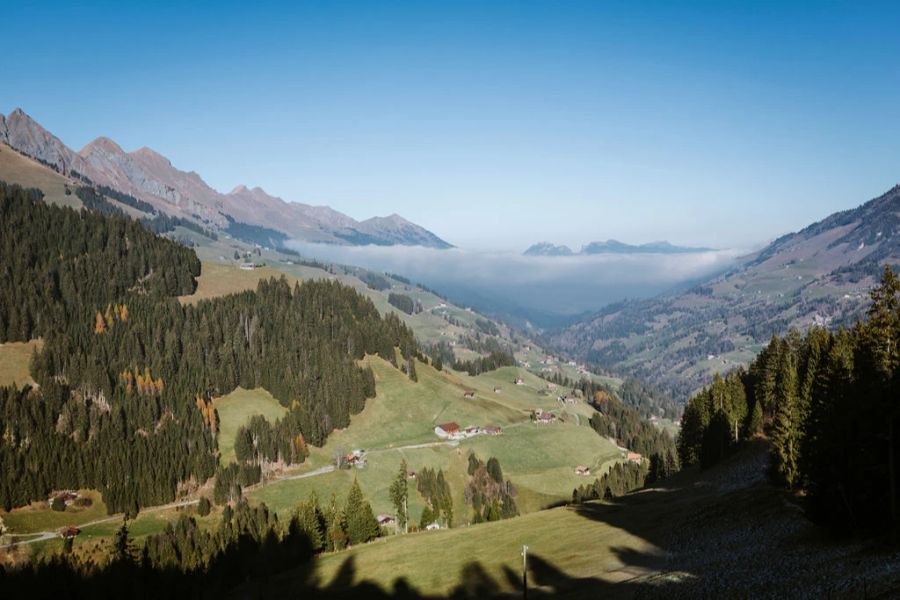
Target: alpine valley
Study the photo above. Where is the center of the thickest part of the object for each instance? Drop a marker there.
(229, 394)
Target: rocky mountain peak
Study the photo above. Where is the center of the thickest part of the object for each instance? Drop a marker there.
(102, 144)
(149, 153)
(27, 136)
(150, 176)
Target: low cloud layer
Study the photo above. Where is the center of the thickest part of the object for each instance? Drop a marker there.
(530, 287)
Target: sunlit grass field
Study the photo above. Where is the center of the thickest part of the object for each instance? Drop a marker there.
(236, 409)
(14, 361)
(539, 459)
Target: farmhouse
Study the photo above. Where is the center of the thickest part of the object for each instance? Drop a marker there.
(447, 430)
(469, 394)
(633, 457)
(411, 475)
(69, 531)
(357, 459)
(432, 526)
(248, 266)
(520, 381)
(582, 470)
(543, 416)
(453, 431)
(385, 519)
(497, 390)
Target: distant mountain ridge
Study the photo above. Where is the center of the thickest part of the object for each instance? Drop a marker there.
(610, 247)
(151, 177)
(548, 249)
(819, 275)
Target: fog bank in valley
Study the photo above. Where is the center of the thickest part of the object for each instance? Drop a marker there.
(543, 290)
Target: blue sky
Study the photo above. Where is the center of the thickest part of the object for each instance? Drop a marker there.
(493, 124)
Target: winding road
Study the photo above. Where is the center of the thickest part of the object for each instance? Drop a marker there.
(42, 536)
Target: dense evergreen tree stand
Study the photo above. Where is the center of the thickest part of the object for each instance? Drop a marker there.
(127, 374)
(830, 404)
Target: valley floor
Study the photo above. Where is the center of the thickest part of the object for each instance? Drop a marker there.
(722, 533)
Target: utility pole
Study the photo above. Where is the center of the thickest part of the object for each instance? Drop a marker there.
(525, 572)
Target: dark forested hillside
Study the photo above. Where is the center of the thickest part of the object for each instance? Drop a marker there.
(127, 373)
(59, 263)
(830, 403)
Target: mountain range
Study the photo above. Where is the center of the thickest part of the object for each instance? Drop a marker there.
(609, 247)
(820, 275)
(151, 177)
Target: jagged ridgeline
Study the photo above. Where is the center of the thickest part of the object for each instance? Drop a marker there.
(830, 403)
(127, 373)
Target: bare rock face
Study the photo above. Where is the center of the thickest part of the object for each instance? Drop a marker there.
(118, 169)
(151, 177)
(25, 135)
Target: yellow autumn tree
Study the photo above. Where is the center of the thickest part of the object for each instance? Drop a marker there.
(213, 419)
(99, 324)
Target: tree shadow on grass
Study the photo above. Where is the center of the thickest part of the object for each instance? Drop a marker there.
(703, 533)
(545, 580)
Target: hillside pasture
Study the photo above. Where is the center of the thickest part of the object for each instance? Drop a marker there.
(539, 459)
(217, 279)
(38, 516)
(236, 409)
(486, 558)
(14, 361)
(19, 169)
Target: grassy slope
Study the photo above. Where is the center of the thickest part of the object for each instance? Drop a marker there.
(15, 168)
(14, 359)
(439, 561)
(701, 534)
(218, 279)
(38, 517)
(539, 459)
(221, 275)
(236, 408)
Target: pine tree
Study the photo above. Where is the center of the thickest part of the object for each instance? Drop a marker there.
(122, 549)
(427, 517)
(399, 493)
(474, 463)
(306, 520)
(337, 535)
(203, 506)
(786, 425)
(494, 470)
(361, 523)
(755, 426)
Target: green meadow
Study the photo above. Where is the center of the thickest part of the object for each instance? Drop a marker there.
(538, 459)
(236, 409)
